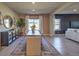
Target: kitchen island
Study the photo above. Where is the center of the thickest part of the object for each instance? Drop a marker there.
(33, 46)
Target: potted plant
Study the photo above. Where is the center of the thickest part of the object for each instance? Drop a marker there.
(20, 24)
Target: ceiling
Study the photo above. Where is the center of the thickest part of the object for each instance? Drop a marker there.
(44, 7)
(40, 7)
(71, 9)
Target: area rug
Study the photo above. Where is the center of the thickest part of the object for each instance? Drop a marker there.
(48, 50)
(20, 48)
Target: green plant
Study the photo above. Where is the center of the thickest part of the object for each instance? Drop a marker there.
(20, 22)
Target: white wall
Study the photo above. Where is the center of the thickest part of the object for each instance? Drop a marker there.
(6, 11)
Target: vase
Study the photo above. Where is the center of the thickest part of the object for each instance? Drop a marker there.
(33, 31)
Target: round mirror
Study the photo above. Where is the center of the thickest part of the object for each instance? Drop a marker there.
(7, 21)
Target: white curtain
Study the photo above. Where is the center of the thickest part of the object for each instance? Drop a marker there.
(41, 24)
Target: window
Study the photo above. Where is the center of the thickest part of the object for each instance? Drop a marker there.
(33, 21)
(57, 24)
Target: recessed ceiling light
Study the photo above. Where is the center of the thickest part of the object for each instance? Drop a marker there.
(33, 2)
(74, 10)
(33, 10)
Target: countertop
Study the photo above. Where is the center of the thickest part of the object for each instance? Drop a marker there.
(35, 33)
(3, 29)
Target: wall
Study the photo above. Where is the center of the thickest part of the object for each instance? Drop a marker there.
(6, 11)
(66, 19)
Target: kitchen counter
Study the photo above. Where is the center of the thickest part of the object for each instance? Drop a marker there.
(33, 46)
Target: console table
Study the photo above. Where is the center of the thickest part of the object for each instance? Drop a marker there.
(33, 46)
(7, 36)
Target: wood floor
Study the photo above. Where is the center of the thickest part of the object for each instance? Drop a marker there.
(18, 48)
(14, 47)
(64, 46)
(48, 49)
(51, 46)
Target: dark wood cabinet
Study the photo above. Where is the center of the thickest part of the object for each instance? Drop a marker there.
(8, 37)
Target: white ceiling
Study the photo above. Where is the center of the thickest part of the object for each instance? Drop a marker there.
(40, 7)
(69, 9)
(44, 7)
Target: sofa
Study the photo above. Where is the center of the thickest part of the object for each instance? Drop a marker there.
(72, 34)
